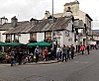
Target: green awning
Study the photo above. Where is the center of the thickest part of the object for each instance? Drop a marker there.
(2, 44)
(14, 44)
(41, 44)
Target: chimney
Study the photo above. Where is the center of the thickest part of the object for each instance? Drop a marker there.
(3, 20)
(33, 21)
(14, 21)
(47, 14)
(68, 13)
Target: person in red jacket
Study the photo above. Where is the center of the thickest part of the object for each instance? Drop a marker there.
(82, 48)
(46, 53)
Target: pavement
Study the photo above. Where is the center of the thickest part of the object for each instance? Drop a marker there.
(34, 63)
(43, 62)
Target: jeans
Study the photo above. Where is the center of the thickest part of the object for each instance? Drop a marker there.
(57, 55)
(64, 56)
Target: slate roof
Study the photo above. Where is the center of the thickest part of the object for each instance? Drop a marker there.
(47, 25)
(5, 27)
(40, 26)
(22, 27)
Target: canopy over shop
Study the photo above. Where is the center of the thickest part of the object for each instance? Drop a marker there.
(41, 44)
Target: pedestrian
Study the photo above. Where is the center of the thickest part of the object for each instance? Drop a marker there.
(78, 48)
(52, 54)
(20, 54)
(37, 52)
(12, 57)
(64, 54)
(68, 52)
(88, 48)
(82, 48)
(72, 49)
(58, 51)
(95, 47)
(46, 53)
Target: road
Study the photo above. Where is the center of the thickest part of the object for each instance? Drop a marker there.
(82, 68)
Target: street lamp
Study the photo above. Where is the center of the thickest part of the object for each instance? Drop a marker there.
(53, 23)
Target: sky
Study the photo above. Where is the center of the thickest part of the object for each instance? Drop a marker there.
(24, 10)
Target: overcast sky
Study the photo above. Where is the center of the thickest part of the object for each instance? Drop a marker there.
(24, 10)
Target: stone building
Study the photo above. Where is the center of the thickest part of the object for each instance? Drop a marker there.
(95, 37)
(41, 30)
(82, 20)
(3, 21)
(70, 27)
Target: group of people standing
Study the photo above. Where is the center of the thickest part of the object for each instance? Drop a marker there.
(40, 52)
(65, 53)
(16, 56)
(60, 53)
(82, 48)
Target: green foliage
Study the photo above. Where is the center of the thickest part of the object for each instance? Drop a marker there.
(2, 55)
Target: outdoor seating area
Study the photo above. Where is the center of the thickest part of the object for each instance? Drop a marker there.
(21, 52)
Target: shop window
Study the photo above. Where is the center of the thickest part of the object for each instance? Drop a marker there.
(33, 36)
(48, 35)
(8, 38)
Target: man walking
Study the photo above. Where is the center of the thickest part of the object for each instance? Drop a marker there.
(72, 51)
(88, 49)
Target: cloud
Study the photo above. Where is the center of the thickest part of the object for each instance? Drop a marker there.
(21, 8)
(90, 7)
(26, 9)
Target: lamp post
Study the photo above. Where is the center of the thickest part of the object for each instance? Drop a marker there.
(52, 8)
(53, 23)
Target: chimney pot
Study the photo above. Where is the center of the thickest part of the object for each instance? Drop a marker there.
(14, 21)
